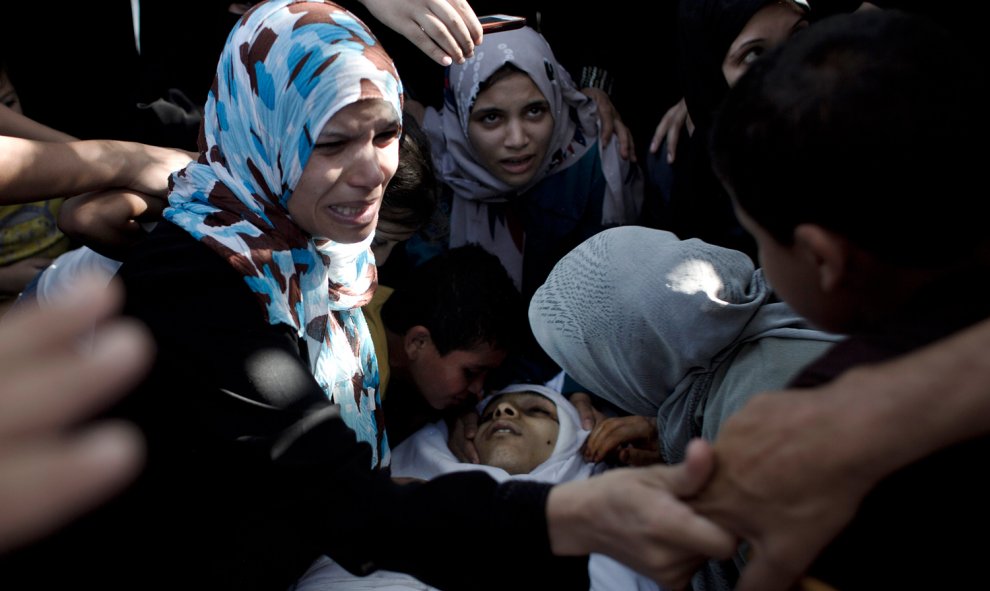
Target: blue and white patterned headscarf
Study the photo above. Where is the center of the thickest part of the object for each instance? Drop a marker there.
(286, 69)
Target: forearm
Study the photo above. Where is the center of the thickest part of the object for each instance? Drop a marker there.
(35, 169)
(921, 402)
(14, 124)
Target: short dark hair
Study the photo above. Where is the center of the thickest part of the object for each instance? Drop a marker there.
(464, 297)
(411, 196)
(872, 125)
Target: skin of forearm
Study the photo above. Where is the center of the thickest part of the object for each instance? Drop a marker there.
(14, 124)
(48, 169)
(915, 405)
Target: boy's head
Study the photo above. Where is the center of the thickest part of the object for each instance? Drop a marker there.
(856, 146)
(458, 316)
(411, 196)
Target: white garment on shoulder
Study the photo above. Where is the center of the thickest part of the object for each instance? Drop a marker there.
(64, 273)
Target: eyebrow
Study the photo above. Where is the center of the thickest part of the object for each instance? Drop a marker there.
(486, 111)
(387, 125)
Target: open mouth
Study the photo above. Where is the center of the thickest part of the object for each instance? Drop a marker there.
(503, 427)
(357, 213)
(517, 165)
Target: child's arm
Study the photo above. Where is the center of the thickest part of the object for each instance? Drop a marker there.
(15, 276)
(34, 170)
(14, 124)
(109, 222)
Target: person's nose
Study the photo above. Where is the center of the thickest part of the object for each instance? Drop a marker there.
(366, 169)
(516, 137)
(476, 386)
(505, 409)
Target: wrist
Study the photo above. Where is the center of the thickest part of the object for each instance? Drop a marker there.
(565, 527)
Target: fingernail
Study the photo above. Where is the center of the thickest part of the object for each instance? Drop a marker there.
(587, 424)
(446, 60)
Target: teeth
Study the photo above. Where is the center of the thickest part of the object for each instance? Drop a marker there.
(344, 210)
(503, 430)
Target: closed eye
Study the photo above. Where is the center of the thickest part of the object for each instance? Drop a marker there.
(386, 137)
(331, 146)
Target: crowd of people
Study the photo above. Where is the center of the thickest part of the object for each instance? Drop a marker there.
(395, 316)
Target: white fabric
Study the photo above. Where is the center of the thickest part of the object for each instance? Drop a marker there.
(64, 273)
(425, 455)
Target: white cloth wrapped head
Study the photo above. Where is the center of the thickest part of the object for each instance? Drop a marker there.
(426, 455)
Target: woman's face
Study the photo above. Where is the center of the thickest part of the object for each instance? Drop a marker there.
(769, 27)
(517, 432)
(341, 187)
(510, 128)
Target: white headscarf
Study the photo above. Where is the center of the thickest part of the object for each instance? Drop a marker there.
(426, 455)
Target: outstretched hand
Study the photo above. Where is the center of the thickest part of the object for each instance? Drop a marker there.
(632, 440)
(48, 472)
(784, 482)
(445, 30)
(149, 167)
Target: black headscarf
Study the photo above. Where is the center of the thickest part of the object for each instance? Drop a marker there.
(706, 30)
(698, 205)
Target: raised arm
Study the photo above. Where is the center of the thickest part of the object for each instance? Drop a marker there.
(445, 30)
(49, 473)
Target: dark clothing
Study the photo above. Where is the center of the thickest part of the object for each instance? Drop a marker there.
(251, 474)
(908, 532)
(695, 203)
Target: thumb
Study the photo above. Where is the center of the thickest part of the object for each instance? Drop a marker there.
(698, 467)
(470, 425)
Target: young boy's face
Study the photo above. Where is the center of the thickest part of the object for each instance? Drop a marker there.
(794, 277)
(449, 380)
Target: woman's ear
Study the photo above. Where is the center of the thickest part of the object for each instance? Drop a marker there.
(827, 251)
(415, 340)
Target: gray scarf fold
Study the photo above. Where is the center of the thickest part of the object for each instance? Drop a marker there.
(645, 320)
